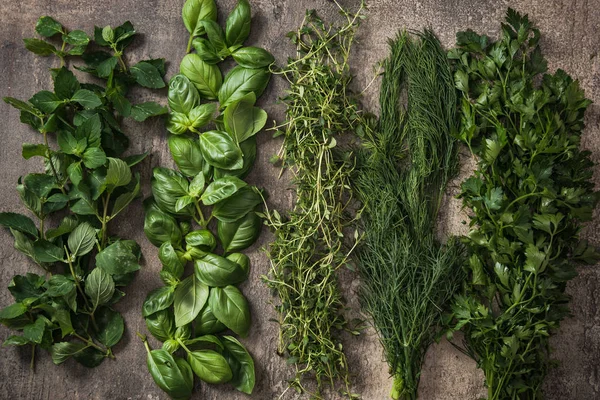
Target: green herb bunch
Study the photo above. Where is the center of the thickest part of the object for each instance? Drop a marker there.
(408, 276)
(213, 145)
(68, 309)
(529, 195)
(310, 245)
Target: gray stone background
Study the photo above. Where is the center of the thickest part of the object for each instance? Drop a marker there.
(571, 40)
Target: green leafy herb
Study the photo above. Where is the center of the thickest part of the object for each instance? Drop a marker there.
(309, 246)
(408, 276)
(69, 310)
(528, 197)
(214, 147)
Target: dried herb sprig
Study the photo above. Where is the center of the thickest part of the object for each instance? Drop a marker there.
(310, 244)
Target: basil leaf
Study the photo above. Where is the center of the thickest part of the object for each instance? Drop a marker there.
(240, 234)
(177, 123)
(197, 185)
(62, 351)
(216, 37)
(143, 111)
(18, 222)
(161, 325)
(110, 326)
(240, 81)
(243, 120)
(195, 11)
(46, 101)
(238, 205)
(121, 257)
(206, 51)
(147, 75)
(39, 47)
(82, 239)
(65, 84)
(206, 322)
(221, 189)
(190, 297)
(48, 26)
(248, 148)
(238, 24)
(161, 227)
(167, 186)
(47, 252)
(210, 366)
(242, 260)
(253, 57)
(93, 157)
(99, 286)
(171, 259)
(183, 95)
(59, 285)
(201, 238)
(118, 174)
(201, 115)
(158, 300)
(219, 150)
(231, 308)
(13, 311)
(171, 373)
(206, 77)
(242, 364)
(214, 270)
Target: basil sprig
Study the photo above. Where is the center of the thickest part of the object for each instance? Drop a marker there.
(204, 207)
(86, 184)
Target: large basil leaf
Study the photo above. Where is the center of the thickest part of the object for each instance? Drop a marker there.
(240, 234)
(177, 123)
(167, 186)
(242, 120)
(216, 37)
(253, 57)
(187, 154)
(237, 27)
(171, 373)
(201, 238)
(19, 222)
(238, 205)
(207, 323)
(99, 286)
(183, 95)
(62, 351)
(195, 11)
(170, 259)
(219, 150)
(121, 257)
(242, 260)
(201, 115)
(231, 308)
(206, 77)
(161, 227)
(210, 366)
(82, 239)
(240, 81)
(190, 297)
(110, 326)
(249, 152)
(215, 270)
(221, 189)
(161, 325)
(157, 300)
(206, 51)
(241, 363)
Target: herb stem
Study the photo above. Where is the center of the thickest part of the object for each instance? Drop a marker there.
(189, 44)
(75, 278)
(104, 220)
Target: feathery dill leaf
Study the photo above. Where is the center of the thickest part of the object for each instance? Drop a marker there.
(408, 275)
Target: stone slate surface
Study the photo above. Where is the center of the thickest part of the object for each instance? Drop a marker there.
(570, 41)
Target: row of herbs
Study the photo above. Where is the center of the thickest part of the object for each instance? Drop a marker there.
(203, 212)
(86, 184)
